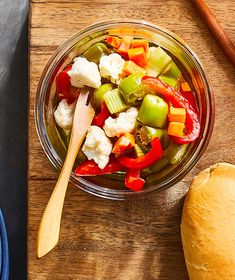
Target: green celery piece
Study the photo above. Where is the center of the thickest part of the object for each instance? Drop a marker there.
(131, 89)
(114, 101)
(81, 157)
(174, 153)
(99, 93)
(65, 134)
(158, 165)
(174, 83)
(95, 52)
(158, 60)
(165, 140)
(173, 71)
(57, 141)
(153, 111)
(138, 151)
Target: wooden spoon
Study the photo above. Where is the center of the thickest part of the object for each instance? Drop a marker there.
(220, 35)
(48, 235)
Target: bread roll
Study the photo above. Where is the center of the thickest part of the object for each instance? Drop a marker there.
(208, 224)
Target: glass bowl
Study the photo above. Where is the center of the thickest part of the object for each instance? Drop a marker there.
(112, 186)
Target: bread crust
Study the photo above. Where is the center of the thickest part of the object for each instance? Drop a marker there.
(208, 224)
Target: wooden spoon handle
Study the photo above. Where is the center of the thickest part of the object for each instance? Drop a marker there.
(221, 36)
(48, 234)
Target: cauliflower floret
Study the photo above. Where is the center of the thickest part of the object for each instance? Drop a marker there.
(111, 67)
(64, 114)
(97, 146)
(84, 73)
(125, 122)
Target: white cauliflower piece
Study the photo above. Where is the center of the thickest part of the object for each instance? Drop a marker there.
(97, 146)
(64, 114)
(84, 73)
(125, 122)
(111, 67)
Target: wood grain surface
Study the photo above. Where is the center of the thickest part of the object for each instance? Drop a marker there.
(130, 240)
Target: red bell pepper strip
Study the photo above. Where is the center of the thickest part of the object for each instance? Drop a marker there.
(102, 116)
(146, 160)
(189, 96)
(64, 87)
(133, 180)
(192, 123)
(90, 168)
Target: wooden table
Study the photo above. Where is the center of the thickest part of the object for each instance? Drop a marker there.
(130, 240)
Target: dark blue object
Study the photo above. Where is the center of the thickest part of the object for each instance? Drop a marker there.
(13, 130)
(5, 254)
(0, 254)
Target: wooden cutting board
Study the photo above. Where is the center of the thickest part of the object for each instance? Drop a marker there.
(130, 240)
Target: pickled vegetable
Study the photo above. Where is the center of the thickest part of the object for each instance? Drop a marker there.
(114, 101)
(174, 153)
(176, 129)
(153, 111)
(144, 107)
(172, 71)
(95, 52)
(159, 165)
(138, 151)
(158, 60)
(170, 81)
(99, 93)
(131, 89)
(177, 115)
(145, 134)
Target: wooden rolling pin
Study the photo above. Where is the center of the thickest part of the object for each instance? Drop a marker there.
(220, 35)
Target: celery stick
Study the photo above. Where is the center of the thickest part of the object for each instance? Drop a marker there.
(114, 101)
(158, 60)
(158, 165)
(174, 153)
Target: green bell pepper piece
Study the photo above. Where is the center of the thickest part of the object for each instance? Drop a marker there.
(174, 83)
(131, 89)
(56, 140)
(173, 71)
(158, 60)
(165, 140)
(158, 165)
(138, 151)
(174, 153)
(154, 132)
(99, 93)
(153, 111)
(95, 52)
(66, 133)
(145, 134)
(161, 133)
(65, 138)
(81, 157)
